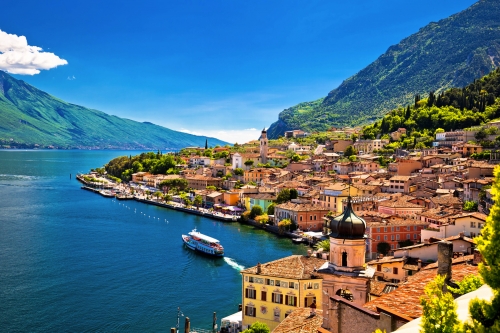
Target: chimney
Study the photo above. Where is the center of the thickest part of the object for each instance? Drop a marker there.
(445, 254)
(259, 268)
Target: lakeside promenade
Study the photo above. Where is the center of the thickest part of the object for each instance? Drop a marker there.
(109, 190)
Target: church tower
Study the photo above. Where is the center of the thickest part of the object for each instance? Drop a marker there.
(263, 146)
(345, 274)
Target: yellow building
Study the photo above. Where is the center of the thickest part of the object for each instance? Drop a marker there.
(271, 291)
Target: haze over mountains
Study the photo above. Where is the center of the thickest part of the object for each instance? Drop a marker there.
(32, 118)
(449, 53)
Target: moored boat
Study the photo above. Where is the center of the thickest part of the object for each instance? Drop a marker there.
(203, 243)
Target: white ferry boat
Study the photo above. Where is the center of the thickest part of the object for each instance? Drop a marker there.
(203, 243)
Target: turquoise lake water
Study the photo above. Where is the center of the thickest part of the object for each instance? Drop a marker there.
(74, 261)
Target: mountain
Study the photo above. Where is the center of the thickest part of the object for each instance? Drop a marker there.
(32, 118)
(449, 53)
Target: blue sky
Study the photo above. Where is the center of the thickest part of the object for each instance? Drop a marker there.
(223, 68)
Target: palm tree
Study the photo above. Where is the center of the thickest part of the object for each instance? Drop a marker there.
(324, 245)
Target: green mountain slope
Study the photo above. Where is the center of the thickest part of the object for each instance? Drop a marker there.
(30, 117)
(449, 53)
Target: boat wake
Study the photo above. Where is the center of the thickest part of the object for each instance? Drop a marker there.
(234, 264)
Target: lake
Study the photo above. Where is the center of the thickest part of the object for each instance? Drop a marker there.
(74, 261)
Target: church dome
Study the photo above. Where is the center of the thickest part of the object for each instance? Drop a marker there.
(348, 225)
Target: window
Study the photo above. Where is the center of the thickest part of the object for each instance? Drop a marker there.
(415, 228)
(414, 236)
(269, 282)
(392, 246)
(277, 298)
(250, 293)
(277, 314)
(291, 285)
(378, 229)
(473, 224)
(395, 270)
(408, 236)
(397, 228)
(277, 283)
(290, 300)
(263, 296)
(250, 279)
(300, 217)
(385, 229)
(379, 268)
(392, 237)
(385, 237)
(397, 237)
(378, 238)
(250, 311)
(284, 284)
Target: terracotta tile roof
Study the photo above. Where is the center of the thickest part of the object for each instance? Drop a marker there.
(298, 207)
(292, 267)
(301, 321)
(446, 200)
(401, 202)
(406, 299)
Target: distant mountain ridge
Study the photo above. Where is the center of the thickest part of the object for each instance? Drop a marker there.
(449, 53)
(32, 118)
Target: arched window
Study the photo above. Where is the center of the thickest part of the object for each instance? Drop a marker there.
(344, 259)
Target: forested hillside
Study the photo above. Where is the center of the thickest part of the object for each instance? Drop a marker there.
(444, 54)
(32, 118)
(455, 108)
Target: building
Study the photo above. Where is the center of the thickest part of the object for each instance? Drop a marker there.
(345, 275)
(393, 231)
(263, 146)
(272, 291)
(331, 197)
(306, 216)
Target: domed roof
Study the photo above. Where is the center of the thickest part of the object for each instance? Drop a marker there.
(348, 225)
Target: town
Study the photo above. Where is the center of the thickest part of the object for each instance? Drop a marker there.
(382, 225)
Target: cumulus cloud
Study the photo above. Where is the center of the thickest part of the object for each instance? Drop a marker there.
(17, 57)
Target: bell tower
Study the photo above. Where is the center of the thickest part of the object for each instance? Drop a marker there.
(263, 146)
(345, 274)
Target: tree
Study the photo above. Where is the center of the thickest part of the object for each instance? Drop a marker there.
(257, 327)
(238, 172)
(158, 194)
(485, 313)
(284, 224)
(294, 194)
(481, 134)
(262, 219)
(255, 211)
(270, 209)
(470, 206)
(350, 151)
(198, 201)
(324, 244)
(248, 163)
(469, 283)
(283, 196)
(439, 311)
(383, 248)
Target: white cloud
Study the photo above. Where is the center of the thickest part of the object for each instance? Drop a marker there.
(232, 136)
(17, 57)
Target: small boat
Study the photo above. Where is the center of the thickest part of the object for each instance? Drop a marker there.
(297, 240)
(203, 243)
(107, 193)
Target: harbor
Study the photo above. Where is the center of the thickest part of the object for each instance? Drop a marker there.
(76, 261)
